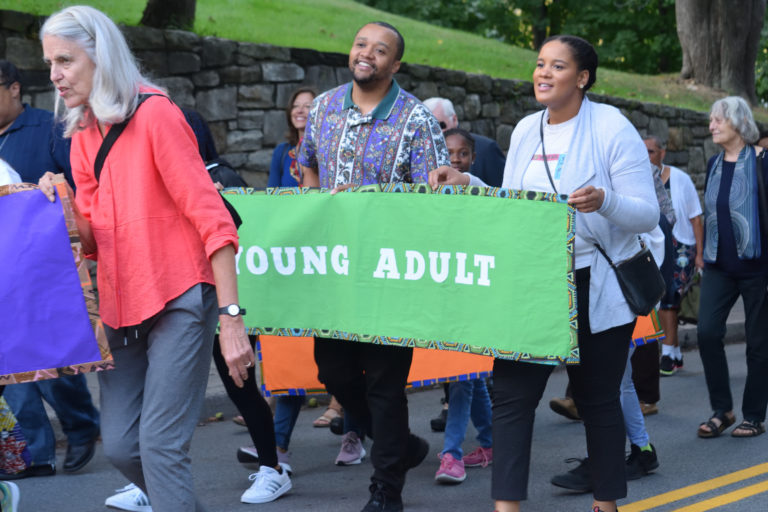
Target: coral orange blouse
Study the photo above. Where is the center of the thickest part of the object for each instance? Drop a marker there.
(155, 213)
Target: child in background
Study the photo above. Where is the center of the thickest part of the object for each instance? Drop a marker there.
(467, 398)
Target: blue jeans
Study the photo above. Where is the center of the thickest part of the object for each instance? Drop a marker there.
(69, 397)
(286, 412)
(630, 406)
(467, 398)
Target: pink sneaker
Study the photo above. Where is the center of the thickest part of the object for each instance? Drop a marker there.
(451, 470)
(480, 457)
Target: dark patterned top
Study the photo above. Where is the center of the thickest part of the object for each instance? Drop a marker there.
(398, 141)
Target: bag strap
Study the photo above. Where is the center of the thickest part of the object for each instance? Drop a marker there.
(112, 135)
(605, 255)
(761, 195)
(544, 155)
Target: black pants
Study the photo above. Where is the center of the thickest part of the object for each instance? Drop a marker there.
(251, 405)
(369, 381)
(719, 292)
(595, 383)
(645, 372)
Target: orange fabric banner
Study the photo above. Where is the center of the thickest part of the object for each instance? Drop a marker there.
(288, 363)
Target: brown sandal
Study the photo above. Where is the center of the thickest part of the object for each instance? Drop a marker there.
(714, 429)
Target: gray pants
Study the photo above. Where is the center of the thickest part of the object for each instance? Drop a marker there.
(151, 401)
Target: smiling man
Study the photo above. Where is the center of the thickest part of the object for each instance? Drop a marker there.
(370, 131)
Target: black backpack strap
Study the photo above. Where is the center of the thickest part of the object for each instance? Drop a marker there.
(112, 135)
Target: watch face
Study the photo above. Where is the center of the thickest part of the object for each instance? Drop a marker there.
(233, 309)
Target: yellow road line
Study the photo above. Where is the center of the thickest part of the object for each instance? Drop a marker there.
(693, 490)
(725, 499)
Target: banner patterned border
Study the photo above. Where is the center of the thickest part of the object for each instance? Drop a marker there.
(423, 188)
(106, 362)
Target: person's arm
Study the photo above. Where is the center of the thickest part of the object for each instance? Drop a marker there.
(629, 199)
(47, 185)
(310, 175)
(698, 233)
(235, 348)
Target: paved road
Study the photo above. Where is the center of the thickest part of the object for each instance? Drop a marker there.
(321, 486)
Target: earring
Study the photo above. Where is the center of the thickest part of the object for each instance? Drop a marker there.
(581, 86)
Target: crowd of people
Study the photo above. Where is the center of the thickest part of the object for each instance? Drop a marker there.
(162, 302)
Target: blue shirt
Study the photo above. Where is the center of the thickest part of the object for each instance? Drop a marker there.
(34, 144)
(280, 168)
(398, 141)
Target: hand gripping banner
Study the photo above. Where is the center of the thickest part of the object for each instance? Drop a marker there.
(481, 271)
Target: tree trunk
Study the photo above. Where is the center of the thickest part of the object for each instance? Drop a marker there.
(169, 14)
(720, 40)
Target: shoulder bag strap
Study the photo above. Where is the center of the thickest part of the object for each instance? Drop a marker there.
(544, 156)
(112, 135)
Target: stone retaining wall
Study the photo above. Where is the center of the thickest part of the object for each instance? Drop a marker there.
(242, 88)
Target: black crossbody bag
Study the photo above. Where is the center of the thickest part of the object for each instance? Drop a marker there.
(639, 277)
(119, 128)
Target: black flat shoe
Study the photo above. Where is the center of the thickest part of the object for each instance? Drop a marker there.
(78, 456)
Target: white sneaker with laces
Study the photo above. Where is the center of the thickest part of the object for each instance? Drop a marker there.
(352, 451)
(129, 498)
(268, 485)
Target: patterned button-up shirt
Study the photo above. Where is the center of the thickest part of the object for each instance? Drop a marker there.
(398, 141)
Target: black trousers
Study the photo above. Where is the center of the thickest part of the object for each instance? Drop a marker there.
(369, 381)
(251, 405)
(645, 372)
(595, 383)
(719, 292)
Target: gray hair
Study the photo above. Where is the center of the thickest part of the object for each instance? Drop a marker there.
(736, 111)
(116, 76)
(656, 140)
(443, 103)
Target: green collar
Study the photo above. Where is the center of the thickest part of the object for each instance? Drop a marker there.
(385, 105)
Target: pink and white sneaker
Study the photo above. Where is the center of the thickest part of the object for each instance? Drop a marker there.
(479, 458)
(451, 470)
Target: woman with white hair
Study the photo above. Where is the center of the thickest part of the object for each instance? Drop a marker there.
(735, 264)
(162, 238)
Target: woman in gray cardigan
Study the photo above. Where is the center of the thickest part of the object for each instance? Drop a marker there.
(592, 153)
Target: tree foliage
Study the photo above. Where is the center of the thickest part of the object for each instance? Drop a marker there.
(631, 35)
(169, 14)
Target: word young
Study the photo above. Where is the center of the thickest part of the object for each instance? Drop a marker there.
(316, 261)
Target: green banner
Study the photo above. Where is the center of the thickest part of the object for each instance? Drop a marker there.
(487, 271)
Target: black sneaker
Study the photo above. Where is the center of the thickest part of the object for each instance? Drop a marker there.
(383, 500)
(679, 363)
(641, 463)
(667, 366)
(576, 479)
(438, 424)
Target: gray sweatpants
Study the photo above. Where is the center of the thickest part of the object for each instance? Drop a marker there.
(151, 401)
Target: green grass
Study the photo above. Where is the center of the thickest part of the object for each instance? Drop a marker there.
(328, 25)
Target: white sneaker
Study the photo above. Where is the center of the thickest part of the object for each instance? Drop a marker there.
(352, 451)
(268, 485)
(129, 498)
(10, 497)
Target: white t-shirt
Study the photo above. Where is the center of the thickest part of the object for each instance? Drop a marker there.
(7, 174)
(686, 203)
(557, 140)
